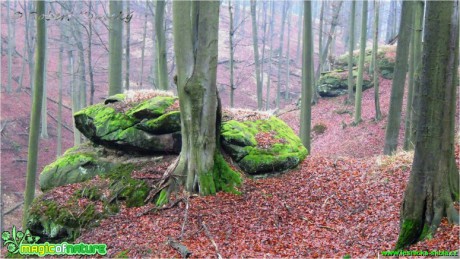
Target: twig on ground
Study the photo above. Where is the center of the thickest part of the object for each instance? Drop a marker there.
(208, 234)
(185, 218)
(13, 208)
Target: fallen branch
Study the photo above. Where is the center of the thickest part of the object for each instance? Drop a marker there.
(208, 234)
(19, 160)
(183, 250)
(185, 219)
(155, 208)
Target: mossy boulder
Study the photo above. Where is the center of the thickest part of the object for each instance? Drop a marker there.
(386, 57)
(262, 146)
(73, 167)
(146, 125)
(335, 83)
(62, 212)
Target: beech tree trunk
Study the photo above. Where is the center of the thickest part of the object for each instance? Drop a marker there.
(35, 113)
(351, 46)
(399, 79)
(127, 53)
(280, 59)
(375, 49)
(231, 32)
(362, 48)
(161, 45)
(267, 104)
(307, 65)
(255, 41)
(434, 181)
(115, 48)
(196, 59)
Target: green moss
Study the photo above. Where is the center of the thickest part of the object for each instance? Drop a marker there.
(151, 108)
(409, 233)
(124, 187)
(71, 168)
(115, 98)
(239, 133)
(90, 192)
(122, 254)
(286, 153)
(166, 123)
(225, 179)
(207, 184)
(162, 198)
(99, 120)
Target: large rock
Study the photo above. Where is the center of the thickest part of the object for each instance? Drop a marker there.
(385, 59)
(261, 146)
(335, 83)
(76, 165)
(148, 124)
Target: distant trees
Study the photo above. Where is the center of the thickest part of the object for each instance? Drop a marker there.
(351, 47)
(434, 181)
(375, 49)
(399, 79)
(115, 47)
(36, 109)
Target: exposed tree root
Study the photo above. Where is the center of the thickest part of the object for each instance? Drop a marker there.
(183, 250)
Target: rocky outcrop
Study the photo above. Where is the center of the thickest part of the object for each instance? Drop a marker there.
(335, 83)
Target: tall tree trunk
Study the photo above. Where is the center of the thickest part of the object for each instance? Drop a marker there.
(375, 49)
(128, 35)
(231, 31)
(434, 181)
(29, 41)
(9, 85)
(362, 48)
(280, 59)
(75, 98)
(390, 20)
(267, 104)
(288, 56)
(307, 56)
(397, 89)
(35, 113)
(299, 29)
(351, 45)
(264, 27)
(115, 48)
(144, 36)
(196, 79)
(418, 13)
(90, 55)
(255, 40)
(161, 45)
(59, 116)
(320, 34)
(44, 111)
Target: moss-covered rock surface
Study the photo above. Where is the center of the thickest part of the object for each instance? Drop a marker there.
(335, 83)
(146, 124)
(263, 145)
(386, 57)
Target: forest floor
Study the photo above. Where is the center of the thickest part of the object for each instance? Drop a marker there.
(344, 199)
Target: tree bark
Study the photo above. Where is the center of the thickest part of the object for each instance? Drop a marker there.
(255, 41)
(288, 58)
(397, 88)
(267, 104)
(280, 59)
(161, 45)
(434, 181)
(362, 48)
(115, 48)
(307, 56)
(35, 114)
(351, 46)
(196, 79)
(144, 36)
(127, 47)
(231, 31)
(375, 49)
